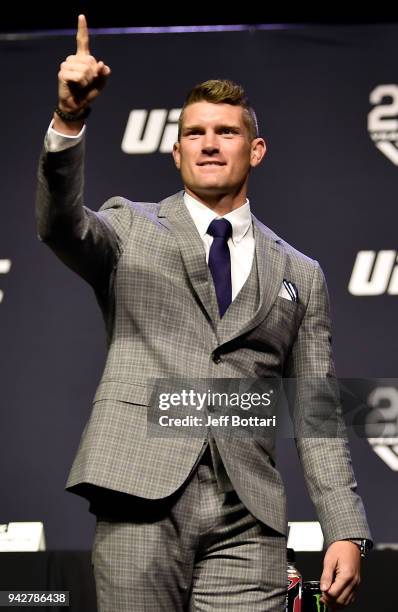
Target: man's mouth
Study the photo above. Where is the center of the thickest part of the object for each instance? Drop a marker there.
(211, 163)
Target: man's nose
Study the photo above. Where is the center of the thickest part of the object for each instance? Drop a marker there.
(210, 143)
(210, 147)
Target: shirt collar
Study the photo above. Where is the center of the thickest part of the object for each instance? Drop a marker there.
(202, 216)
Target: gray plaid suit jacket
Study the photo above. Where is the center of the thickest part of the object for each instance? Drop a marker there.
(146, 264)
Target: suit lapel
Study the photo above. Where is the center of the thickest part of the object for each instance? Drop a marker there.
(271, 260)
(175, 216)
(269, 252)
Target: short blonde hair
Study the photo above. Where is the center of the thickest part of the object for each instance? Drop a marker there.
(222, 91)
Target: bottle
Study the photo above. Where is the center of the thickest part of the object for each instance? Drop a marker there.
(312, 597)
(294, 584)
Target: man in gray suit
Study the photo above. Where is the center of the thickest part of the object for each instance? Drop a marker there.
(194, 287)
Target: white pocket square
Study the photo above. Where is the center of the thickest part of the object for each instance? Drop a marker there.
(288, 291)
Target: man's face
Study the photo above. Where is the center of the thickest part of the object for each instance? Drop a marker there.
(214, 153)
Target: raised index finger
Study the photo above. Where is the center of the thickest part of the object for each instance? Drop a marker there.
(82, 37)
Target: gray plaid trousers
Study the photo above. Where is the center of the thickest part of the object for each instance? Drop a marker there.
(199, 551)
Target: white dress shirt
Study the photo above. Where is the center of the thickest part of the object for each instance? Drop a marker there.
(241, 243)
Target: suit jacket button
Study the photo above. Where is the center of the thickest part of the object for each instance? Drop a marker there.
(217, 358)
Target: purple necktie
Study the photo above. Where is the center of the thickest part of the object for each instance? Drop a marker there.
(220, 262)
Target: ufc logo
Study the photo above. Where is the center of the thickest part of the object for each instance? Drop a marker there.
(383, 421)
(374, 273)
(147, 132)
(5, 265)
(383, 120)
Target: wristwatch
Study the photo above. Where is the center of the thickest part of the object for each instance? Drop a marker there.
(364, 545)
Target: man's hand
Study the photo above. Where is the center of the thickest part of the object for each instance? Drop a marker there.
(81, 77)
(341, 574)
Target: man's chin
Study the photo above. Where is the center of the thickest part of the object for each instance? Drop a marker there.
(209, 189)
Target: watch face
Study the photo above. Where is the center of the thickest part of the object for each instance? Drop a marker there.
(366, 545)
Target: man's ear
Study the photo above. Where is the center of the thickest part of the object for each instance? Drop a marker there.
(258, 150)
(177, 154)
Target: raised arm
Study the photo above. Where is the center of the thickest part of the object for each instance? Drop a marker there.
(89, 242)
(81, 78)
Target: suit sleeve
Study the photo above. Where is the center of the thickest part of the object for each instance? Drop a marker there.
(319, 427)
(88, 242)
